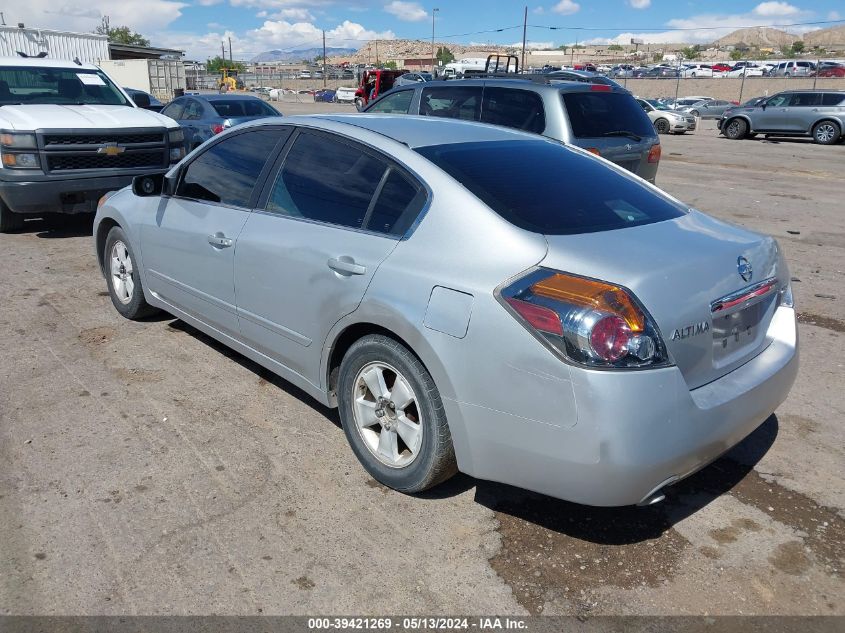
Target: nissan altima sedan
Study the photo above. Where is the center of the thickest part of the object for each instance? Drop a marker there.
(470, 297)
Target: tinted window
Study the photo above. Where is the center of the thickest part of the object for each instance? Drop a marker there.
(778, 100)
(326, 180)
(804, 99)
(244, 107)
(193, 110)
(596, 114)
(174, 110)
(521, 109)
(832, 99)
(227, 171)
(398, 205)
(548, 188)
(457, 102)
(397, 103)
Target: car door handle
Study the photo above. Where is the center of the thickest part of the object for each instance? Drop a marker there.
(345, 265)
(219, 240)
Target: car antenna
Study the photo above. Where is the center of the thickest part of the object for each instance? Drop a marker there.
(76, 61)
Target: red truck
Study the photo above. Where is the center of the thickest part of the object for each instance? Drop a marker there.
(373, 84)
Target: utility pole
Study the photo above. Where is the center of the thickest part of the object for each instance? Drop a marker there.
(231, 59)
(524, 31)
(223, 52)
(377, 64)
(433, 13)
(324, 58)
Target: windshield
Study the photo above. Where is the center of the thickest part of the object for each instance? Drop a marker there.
(243, 107)
(548, 188)
(61, 86)
(595, 114)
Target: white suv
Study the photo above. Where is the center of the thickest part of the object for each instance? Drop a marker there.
(69, 134)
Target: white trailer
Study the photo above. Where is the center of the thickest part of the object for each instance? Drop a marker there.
(458, 68)
(89, 48)
(160, 77)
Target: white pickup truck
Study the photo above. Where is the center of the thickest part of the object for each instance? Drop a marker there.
(68, 135)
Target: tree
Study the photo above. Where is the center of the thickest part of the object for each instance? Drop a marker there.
(121, 34)
(444, 56)
(391, 65)
(736, 55)
(798, 47)
(615, 47)
(218, 63)
(690, 52)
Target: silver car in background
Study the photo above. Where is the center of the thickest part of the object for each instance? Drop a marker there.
(470, 297)
(665, 120)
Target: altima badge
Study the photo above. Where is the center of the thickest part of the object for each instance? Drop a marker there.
(743, 267)
(691, 330)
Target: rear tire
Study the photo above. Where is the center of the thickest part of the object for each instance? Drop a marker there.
(826, 133)
(10, 222)
(123, 277)
(736, 129)
(393, 416)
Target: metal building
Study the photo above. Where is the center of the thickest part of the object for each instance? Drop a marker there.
(88, 47)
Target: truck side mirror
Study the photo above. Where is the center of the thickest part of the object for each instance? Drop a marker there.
(141, 100)
(145, 186)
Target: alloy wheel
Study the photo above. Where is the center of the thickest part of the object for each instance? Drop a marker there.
(121, 272)
(387, 415)
(825, 133)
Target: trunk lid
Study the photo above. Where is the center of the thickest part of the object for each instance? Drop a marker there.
(678, 269)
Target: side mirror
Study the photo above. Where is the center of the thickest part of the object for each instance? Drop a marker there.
(142, 100)
(145, 186)
(763, 105)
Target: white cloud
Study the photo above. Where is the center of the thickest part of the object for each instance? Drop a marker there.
(287, 35)
(406, 11)
(538, 10)
(779, 9)
(143, 16)
(208, 3)
(833, 16)
(294, 13)
(640, 4)
(533, 46)
(566, 7)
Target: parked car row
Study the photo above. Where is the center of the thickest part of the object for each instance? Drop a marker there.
(789, 68)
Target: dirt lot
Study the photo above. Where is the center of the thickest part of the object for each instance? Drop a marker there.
(145, 469)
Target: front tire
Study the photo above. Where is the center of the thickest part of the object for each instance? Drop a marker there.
(393, 416)
(661, 126)
(10, 221)
(123, 277)
(695, 113)
(736, 129)
(826, 133)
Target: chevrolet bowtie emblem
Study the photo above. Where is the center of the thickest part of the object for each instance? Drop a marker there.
(111, 149)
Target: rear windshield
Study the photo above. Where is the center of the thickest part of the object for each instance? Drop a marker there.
(62, 86)
(242, 107)
(598, 114)
(545, 187)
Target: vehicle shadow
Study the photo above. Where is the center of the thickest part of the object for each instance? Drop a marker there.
(61, 226)
(630, 524)
(264, 374)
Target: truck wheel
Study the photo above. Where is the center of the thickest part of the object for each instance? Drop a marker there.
(124, 280)
(9, 220)
(393, 416)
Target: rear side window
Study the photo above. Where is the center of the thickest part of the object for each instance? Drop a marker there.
(245, 107)
(193, 110)
(545, 187)
(456, 102)
(397, 103)
(326, 180)
(174, 110)
(804, 99)
(398, 205)
(832, 99)
(520, 109)
(227, 171)
(598, 114)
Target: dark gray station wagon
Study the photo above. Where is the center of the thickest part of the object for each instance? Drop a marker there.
(603, 119)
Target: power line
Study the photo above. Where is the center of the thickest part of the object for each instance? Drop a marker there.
(691, 28)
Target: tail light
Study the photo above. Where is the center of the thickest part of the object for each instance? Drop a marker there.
(593, 150)
(219, 127)
(654, 154)
(600, 88)
(586, 321)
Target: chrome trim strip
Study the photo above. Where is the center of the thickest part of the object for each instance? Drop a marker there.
(744, 296)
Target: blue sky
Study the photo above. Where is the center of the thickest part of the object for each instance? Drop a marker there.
(198, 26)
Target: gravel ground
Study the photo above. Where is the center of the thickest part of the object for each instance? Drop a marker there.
(145, 469)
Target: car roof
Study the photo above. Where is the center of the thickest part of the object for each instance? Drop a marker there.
(45, 62)
(226, 97)
(415, 131)
(524, 83)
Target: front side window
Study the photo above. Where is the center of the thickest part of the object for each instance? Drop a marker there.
(455, 102)
(778, 101)
(397, 103)
(520, 109)
(61, 86)
(326, 180)
(227, 171)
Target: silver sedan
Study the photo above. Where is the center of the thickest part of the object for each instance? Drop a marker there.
(470, 297)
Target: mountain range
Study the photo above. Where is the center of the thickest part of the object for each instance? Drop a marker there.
(305, 53)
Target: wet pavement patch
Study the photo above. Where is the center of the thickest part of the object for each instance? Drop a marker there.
(827, 323)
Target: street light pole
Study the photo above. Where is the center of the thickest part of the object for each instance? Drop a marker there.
(433, 14)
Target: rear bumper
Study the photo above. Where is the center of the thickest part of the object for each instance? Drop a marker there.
(61, 195)
(635, 431)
